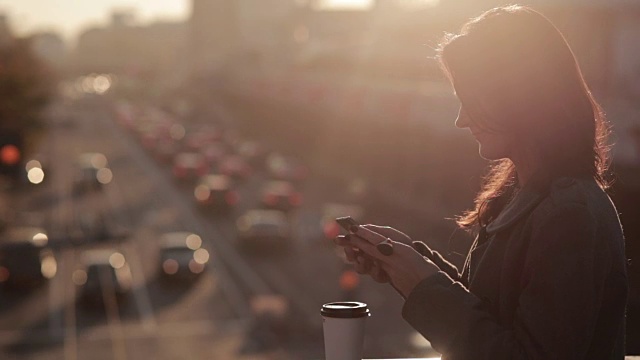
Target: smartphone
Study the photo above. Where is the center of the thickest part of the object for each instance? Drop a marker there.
(351, 226)
(348, 223)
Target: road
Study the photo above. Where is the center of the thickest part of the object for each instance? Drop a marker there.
(212, 318)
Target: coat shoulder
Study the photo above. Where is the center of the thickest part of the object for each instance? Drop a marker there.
(573, 192)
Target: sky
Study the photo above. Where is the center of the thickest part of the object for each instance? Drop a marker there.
(68, 17)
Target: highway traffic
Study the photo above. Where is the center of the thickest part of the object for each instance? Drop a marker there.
(249, 273)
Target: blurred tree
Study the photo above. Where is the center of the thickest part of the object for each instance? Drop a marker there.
(26, 86)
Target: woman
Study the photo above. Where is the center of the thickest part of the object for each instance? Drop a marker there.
(546, 275)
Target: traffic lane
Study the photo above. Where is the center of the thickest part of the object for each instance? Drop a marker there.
(203, 299)
(37, 315)
(164, 215)
(89, 320)
(62, 311)
(282, 275)
(141, 197)
(295, 273)
(186, 206)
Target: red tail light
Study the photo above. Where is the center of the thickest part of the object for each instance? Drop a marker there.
(4, 274)
(179, 172)
(271, 199)
(295, 199)
(203, 170)
(232, 197)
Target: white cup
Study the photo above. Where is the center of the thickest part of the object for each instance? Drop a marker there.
(343, 327)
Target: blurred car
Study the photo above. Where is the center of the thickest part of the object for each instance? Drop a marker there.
(165, 149)
(104, 272)
(92, 172)
(189, 166)
(216, 192)
(260, 228)
(91, 225)
(182, 256)
(25, 260)
(252, 151)
(198, 139)
(214, 153)
(235, 166)
(155, 135)
(282, 168)
(280, 195)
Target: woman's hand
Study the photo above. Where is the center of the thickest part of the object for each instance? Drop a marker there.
(404, 269)
(363, 263)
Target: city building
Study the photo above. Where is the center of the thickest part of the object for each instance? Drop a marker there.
(123, 47)
(255, 33)
(5, 30)
(49, 47)
(213, 33)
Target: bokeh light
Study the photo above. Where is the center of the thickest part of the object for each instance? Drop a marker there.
(9, 154)
(35, 175)
(79, 277)
(104, 176)
(40, 239)
(202, 193)
(49, 267)
(117, 260)
(201, 256)
(170, 266)
(193, 242)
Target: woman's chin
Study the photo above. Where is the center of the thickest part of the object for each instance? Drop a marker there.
(487, 154)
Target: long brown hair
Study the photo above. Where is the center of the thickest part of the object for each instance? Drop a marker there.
(514, 71)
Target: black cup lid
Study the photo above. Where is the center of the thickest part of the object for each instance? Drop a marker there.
(345, 310)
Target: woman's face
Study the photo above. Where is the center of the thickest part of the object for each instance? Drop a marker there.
(494, 145)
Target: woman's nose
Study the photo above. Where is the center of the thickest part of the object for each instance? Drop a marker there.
(462, 121)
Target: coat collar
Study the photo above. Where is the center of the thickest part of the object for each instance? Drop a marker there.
(520, 206)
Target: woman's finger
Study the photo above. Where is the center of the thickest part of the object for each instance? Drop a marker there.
(363, 266)
(366, 247)
(350, 253)
(369, 235)
(378, 274)
(389, 232)
(342, 240)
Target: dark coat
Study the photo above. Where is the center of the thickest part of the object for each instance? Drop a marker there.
(546, 280)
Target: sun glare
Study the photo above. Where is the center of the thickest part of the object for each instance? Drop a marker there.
(345, 4)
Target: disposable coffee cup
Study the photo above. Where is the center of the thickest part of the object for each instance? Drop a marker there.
(343, 325)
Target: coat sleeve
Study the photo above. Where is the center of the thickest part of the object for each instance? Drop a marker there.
(557, 312)
(442, 263)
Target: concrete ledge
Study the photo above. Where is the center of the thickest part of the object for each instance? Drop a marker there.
(437, 358)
